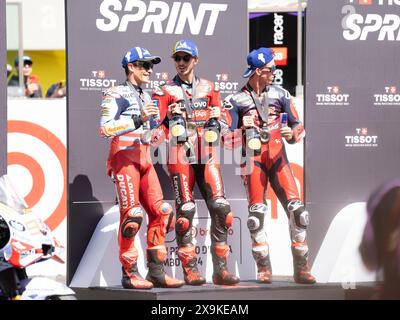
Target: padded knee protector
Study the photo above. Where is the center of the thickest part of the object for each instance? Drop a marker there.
(131, 223)
(298, 222)
(222, 218)
(183, 223)
(167, 217)
(255, 224)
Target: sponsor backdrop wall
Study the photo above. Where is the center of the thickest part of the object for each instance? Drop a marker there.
(99, 33)
(279, 31)
(352, 107)
(3, 90)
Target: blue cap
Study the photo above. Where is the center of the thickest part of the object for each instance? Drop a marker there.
(186, 45)
(25, 59)
(257, 59)
(139, 54)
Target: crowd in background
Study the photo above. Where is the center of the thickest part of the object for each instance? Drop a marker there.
(31, 82)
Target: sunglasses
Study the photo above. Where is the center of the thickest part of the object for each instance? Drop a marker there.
(147, 65)
(185, 58)
(271, 69)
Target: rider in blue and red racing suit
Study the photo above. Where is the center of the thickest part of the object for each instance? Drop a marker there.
(126, 109)
(201, 166)
(271, 164)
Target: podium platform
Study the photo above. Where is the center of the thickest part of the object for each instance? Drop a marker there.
(245, 290)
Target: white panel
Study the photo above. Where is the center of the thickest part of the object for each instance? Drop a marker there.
(43, 25)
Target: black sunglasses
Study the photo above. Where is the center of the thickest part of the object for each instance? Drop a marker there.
(272, 69)
(185, 58)
(144, 64)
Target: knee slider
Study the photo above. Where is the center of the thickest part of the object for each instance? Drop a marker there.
(255, 220)
(221, 208)
(132, 222)
(167, 217)
(298, 213)
(185, 217)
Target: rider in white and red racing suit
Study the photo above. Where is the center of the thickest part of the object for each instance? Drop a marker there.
(130, 166)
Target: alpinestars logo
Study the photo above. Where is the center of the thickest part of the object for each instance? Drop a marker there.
(382, 27)
(389, 97)
(159, 16)
(97, 81)
(332, 97)
(362, 138)
(224, 85)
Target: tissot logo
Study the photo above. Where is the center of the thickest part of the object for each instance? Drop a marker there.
(332, 97)
(365, 2)
(388, 97)
(159, 79)
(382, 27)
(97, 81)
(362, 138)
(224, 84)
(379, 2)
(160, 16)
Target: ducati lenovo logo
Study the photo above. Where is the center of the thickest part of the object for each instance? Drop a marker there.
(389, 97)
(381, 27)
(159, 16)
(362, 138)
(332, 97)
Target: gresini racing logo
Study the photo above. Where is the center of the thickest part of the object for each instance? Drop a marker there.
(389, 97)
(159, 16)
(357, 26)
(332, 97)
(361, 139)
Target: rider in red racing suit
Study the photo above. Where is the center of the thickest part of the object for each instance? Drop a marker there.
(271, 163)
(201, 102)
(126, 109)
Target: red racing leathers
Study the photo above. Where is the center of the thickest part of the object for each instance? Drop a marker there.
(129, 164)
(195, 161)
(272, 165)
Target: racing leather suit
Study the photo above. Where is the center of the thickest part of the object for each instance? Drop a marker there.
(197, 161)
(129, 164)
(272, 165)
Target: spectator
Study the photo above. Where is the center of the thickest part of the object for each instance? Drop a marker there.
(9, 70)
(31, 81)
(57, 90)
(380, 245)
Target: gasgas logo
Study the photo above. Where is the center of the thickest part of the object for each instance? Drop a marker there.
(388, 97)
(332, 97)
(160, 16)
(371, 25)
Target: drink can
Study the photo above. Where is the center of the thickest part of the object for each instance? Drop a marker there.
(284, 119)
(156, 117)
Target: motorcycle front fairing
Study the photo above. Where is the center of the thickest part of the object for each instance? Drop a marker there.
(28, 240)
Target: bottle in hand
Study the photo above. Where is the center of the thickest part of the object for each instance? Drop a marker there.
(212, 129)
(178, 128)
